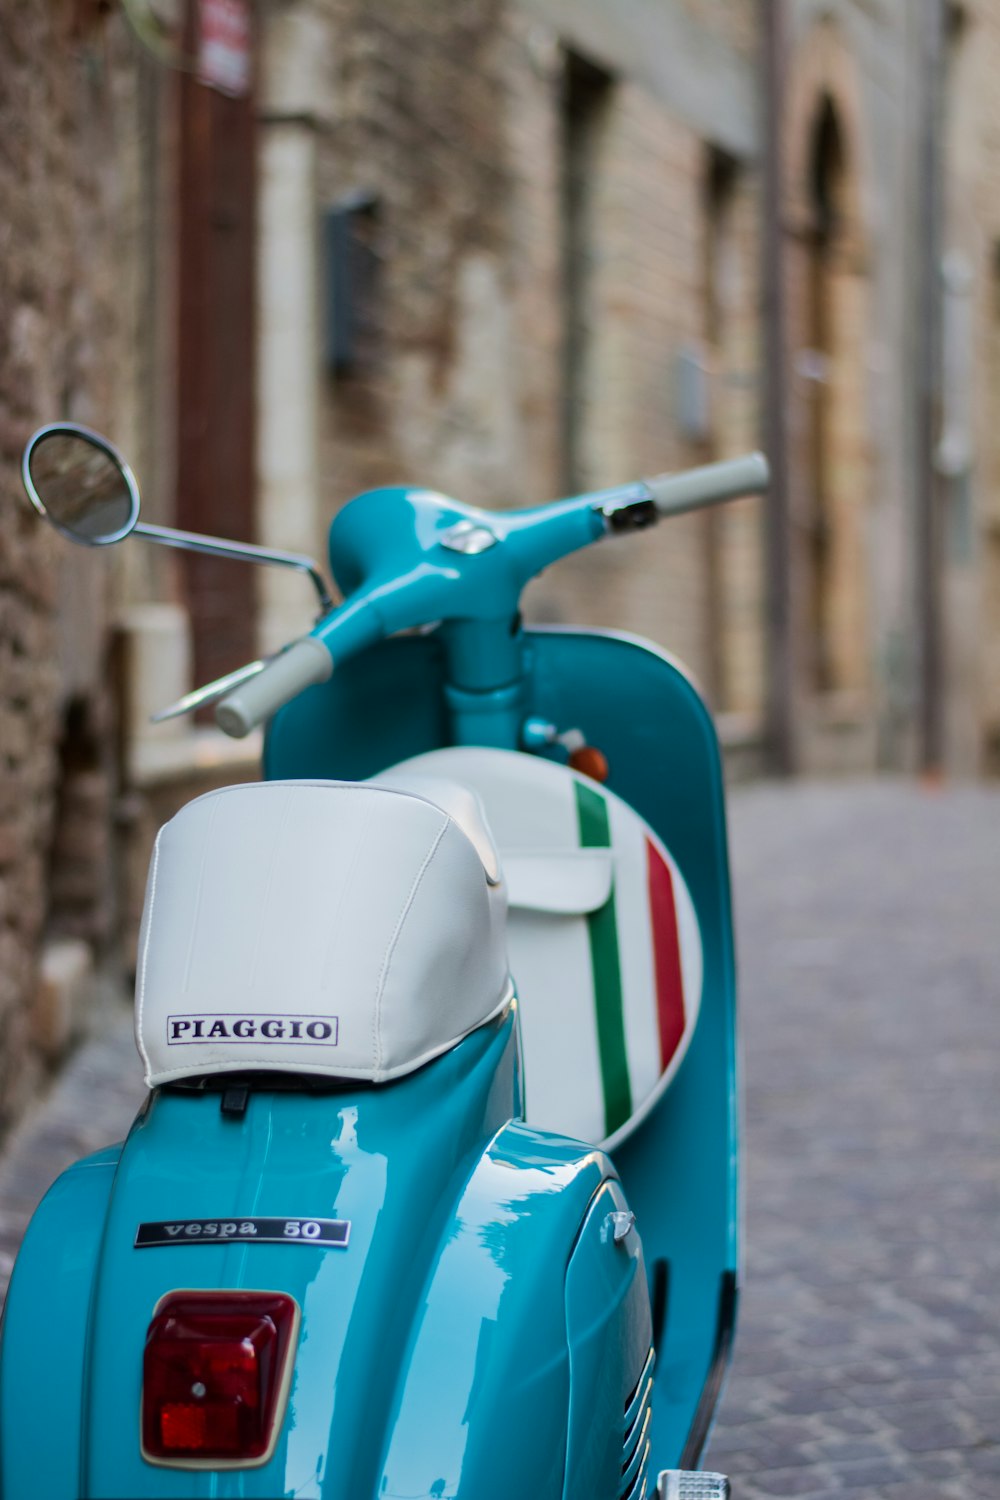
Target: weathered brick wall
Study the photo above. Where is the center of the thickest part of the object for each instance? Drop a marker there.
(422, 110)
(61, 129)
(647, 292)
(734, 23)
(452, 116)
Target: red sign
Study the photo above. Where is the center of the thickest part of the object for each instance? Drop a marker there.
(224, 45)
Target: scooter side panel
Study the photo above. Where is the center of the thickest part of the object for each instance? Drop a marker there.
(481, 1403)
(609, 1328)
(680, 1169)
(45, 1333)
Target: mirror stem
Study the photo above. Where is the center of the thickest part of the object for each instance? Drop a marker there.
(214, 546)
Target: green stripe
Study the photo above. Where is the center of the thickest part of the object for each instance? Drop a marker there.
(595, 833)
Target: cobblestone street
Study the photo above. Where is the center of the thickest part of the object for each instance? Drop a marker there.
(868, 1353)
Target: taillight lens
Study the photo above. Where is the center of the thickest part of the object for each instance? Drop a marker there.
(215, 1376)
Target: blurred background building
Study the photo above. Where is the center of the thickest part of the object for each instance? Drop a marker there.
(511, 249)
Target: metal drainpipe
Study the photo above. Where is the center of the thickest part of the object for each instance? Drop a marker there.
(930, 618)
(780, 701)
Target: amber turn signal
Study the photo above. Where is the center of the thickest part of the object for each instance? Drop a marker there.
(590, 761)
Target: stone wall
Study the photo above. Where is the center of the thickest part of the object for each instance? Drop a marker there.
(64, 126)
(454, 119)
(971, 496)
(864, 66)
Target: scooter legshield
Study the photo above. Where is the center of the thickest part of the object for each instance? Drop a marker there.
(436, 1349)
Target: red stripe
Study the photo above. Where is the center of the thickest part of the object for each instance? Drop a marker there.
(666, 954)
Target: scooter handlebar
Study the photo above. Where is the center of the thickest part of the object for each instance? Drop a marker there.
(303, 664)
(383, 604)
(676, 493)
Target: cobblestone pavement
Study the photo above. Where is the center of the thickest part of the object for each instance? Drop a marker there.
(868, 1353)
(93, 1104)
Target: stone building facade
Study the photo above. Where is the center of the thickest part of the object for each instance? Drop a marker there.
(877, 415)
(557, 203)
(510, 249)
(560, 294)
(554, 287)
(969, 450)
(67, 259)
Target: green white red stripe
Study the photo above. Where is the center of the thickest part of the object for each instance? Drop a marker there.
(666, 954)
(668, 979)
(595, 832)
(609, 988)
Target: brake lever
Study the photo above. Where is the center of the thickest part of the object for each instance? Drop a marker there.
(210, 692)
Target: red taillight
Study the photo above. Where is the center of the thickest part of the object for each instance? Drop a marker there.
(215, 1376)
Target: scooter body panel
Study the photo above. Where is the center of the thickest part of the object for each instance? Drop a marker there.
(610, 1332)
(438, 1331)
(484, 1388)
(46, 1330)
(679, 1169)
(479, 1311)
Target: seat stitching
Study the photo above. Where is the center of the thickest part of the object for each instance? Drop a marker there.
(384, 971)
(145, 956)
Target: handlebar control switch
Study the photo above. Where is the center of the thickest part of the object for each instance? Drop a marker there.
(633, 515)
(691, 1484)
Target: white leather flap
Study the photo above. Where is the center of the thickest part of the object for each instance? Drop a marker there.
(320, 927)
(564, 883)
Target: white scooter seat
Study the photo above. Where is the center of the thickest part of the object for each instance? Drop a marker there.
(602, 936)
(330, 928)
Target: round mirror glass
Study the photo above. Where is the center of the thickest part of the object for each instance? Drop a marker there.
(78, 482)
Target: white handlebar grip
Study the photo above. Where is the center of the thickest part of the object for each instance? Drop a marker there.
(302, 665)
(676, 493)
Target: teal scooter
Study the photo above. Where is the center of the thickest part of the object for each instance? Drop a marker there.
(435, 1191)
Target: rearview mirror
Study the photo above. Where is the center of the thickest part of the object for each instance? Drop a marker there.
(85, 489)
(80, 484)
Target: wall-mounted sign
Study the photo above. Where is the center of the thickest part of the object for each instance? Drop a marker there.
(224, 46)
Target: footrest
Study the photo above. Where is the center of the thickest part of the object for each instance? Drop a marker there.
(691, 1484)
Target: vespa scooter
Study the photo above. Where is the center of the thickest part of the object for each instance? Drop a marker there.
(434, 1193)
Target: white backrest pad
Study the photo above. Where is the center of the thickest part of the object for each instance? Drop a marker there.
(325, 927)
(602, 935)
